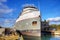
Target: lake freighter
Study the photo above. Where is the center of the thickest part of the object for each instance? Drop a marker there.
(29, 22)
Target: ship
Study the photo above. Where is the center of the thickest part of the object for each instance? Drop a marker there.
(29, 21)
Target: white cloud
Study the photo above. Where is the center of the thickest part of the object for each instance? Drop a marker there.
(56, 19)
(0, 3)
(3, 0)
(4, 8)
(7, 21)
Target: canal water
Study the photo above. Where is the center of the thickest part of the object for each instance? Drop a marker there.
(50, 37)
(43, 37)
(31, 37)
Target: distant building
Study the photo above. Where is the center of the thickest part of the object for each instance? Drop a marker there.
(29, 20)
(2, 29)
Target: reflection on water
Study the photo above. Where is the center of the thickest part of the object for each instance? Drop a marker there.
(50, 37)
(31, 38)
(43, 37)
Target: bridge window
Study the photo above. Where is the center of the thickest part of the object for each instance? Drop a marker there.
(34, 23)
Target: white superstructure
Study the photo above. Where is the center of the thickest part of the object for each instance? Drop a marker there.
(28, 16)
(27, 13)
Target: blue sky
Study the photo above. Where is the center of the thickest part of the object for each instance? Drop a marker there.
(50, 10)
(11, 9)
